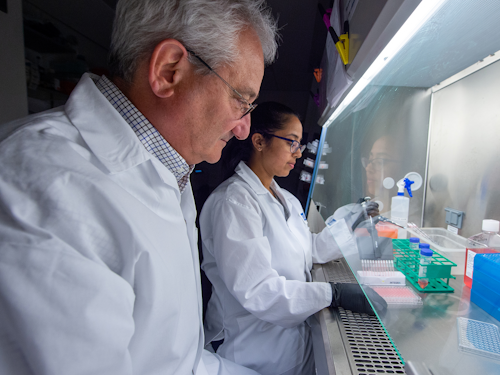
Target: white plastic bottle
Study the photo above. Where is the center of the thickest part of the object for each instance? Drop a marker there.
(400, 206)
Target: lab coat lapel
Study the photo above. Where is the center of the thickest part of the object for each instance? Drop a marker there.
(118, 149)
(295, 222)
(300, 230)
(115, 145)
(189, 211)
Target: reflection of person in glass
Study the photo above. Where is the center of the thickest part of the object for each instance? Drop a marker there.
(383, 161)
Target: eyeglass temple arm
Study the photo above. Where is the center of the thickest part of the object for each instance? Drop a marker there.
(214, 72)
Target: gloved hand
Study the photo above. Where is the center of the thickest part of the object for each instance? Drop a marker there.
(356, 213)
(350, 296)
(372, 209)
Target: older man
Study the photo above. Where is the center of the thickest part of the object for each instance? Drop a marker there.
(99, 268)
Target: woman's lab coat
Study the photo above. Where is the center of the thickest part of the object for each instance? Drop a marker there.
(259, 265)
(99, 270)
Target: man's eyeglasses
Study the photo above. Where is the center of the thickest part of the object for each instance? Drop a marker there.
(377, 163)
(294, 146)
(245, 107)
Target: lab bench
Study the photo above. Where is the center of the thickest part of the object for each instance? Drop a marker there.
(425, 337)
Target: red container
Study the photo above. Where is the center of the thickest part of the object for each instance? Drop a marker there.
(488, 241)
(469, 262)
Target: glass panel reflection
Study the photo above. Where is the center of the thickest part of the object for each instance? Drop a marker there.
(384, 133)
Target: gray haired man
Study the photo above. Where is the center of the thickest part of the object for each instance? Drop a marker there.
(99, 269)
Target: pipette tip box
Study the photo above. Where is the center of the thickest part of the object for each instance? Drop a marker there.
(485, 290)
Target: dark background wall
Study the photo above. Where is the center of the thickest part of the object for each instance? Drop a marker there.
(65, 38)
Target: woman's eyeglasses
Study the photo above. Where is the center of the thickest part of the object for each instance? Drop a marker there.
(294, 146)
(377, 163)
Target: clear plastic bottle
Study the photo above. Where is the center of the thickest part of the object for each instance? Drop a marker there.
(488, 241)
(425, 259)
(414, 242)
(400, 206)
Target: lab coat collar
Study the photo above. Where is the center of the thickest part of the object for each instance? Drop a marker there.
(113, 142)
(253, 180)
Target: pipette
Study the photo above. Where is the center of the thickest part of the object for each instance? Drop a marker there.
(384, 219)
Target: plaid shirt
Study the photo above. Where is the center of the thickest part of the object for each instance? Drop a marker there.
(152, 140)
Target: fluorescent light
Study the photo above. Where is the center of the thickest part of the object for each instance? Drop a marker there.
(417, 19)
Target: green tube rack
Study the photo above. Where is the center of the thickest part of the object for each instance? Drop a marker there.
(407, 261)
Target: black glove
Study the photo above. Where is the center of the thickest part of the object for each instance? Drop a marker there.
(361, 213)
(351, 297)
(372, 209)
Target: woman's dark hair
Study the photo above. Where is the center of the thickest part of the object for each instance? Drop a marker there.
(267, 118)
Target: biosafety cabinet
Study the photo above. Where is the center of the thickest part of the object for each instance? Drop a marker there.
(420, 93)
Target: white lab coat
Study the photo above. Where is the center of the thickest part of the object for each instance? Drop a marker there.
(259, 265)
(99, 270)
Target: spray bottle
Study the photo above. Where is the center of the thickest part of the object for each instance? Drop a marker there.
(400, 204)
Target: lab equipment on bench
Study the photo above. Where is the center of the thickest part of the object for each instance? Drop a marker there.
(425, 259)
(476, 337)
(485, 290)
(380, 272)
(358, 217)
(414, 242)
(438, 272)
(398, 295)
(488, 241)
(446, 243)
(400, 205)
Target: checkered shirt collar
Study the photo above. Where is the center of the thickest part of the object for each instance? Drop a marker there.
(151, 138)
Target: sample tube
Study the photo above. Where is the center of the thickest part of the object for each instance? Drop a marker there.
(425, 259)
(414, 242)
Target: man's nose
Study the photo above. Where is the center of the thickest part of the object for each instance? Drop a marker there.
(242, 128)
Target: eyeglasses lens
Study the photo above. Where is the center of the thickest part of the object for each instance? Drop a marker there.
(376, 164)
(297, 146)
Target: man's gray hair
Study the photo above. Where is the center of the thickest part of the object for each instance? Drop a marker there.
(210, 28)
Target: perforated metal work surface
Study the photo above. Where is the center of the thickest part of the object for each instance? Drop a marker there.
(367, 346)
(369, 349)
(338, 271)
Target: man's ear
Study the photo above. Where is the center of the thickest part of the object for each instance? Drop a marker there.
(258, 141)
(167, 67)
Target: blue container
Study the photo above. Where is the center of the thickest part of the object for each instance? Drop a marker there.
(485, 290)
(489, 264)
(485, 298)
(490, 282)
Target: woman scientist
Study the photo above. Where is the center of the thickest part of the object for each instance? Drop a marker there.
(258, 253)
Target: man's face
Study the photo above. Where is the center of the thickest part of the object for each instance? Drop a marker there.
(215, 110)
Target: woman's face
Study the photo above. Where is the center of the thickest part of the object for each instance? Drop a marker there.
(384, 161)
(277, 159)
